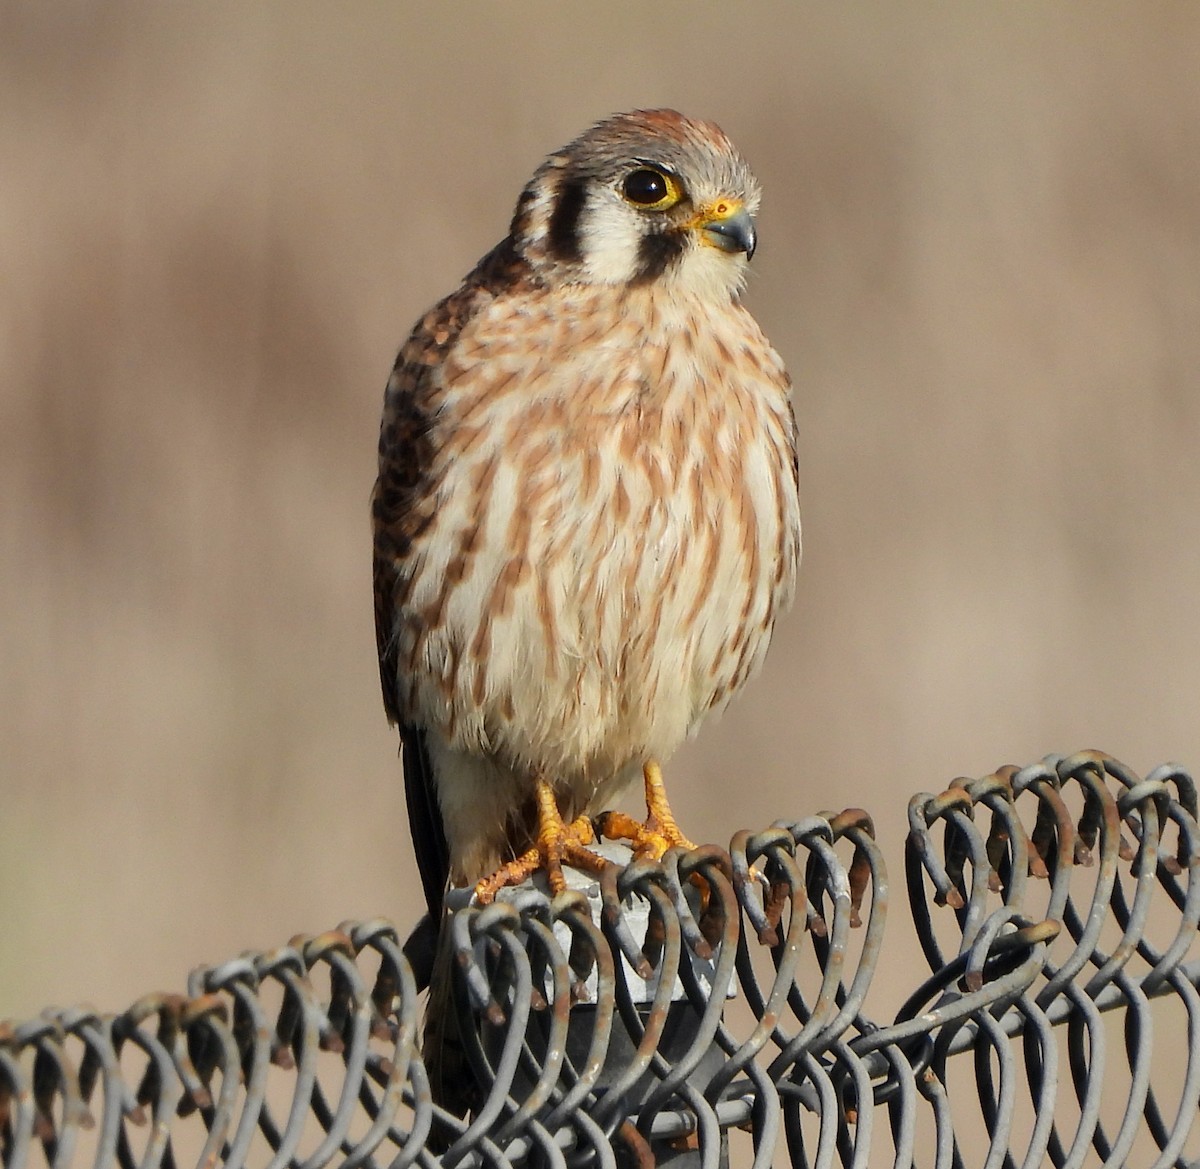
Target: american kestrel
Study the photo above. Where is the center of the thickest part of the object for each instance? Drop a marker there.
(586, 518)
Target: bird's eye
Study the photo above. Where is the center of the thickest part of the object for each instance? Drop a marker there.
(651, 189)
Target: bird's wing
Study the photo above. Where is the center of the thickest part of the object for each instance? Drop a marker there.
(403, 506)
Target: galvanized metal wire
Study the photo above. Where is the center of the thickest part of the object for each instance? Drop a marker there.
(715, 1002)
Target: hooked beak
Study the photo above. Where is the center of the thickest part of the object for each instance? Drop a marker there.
(729, 227)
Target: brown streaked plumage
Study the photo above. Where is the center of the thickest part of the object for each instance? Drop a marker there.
(586, 518)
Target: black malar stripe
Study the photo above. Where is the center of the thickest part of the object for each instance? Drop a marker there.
(563, 232)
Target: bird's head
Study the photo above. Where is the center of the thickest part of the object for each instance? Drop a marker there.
(640, 198)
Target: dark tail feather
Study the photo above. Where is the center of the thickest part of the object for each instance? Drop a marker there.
(451, 1080)
(425, 819)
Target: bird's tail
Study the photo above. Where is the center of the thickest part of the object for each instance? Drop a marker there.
(451, 1079)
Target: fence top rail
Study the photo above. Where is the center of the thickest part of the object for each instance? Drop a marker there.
(662, 1011)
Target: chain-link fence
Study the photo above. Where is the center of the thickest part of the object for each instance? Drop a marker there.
(712, 1009)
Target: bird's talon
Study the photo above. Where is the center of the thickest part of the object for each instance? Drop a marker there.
(512, 873)
(652, 839)
(557, 844)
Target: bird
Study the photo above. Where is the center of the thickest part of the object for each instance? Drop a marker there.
(586, 518)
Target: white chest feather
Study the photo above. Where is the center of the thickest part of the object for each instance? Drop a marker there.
(617, 532)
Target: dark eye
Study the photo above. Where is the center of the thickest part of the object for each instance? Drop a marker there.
(646, 186)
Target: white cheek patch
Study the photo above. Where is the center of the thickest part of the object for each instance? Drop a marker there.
(707, 273)
(610, 235)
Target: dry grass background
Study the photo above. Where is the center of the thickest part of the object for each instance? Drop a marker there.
(980, 256)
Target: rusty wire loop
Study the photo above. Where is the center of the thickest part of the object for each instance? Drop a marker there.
(648, 1018)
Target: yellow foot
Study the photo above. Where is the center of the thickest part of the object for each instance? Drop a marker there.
(651, 839)
(558, 843)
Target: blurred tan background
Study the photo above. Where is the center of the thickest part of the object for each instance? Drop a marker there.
(980, 256)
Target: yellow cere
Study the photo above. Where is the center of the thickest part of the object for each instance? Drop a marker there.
(714, 212)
